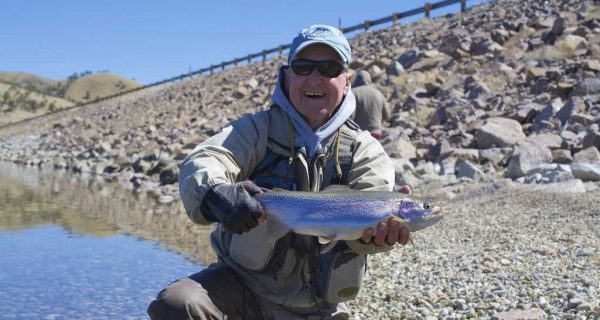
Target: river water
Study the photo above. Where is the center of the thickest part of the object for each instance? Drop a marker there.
(75, 247)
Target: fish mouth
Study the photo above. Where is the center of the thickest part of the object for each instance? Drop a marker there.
(436, 211)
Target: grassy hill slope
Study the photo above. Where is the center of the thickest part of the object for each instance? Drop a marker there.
(31, 82)
(97, 86)
(17, 103)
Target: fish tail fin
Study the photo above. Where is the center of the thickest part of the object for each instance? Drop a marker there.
(275, 229)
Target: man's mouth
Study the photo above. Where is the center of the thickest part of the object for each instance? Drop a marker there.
(314, 95)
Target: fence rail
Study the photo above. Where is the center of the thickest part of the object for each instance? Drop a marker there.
(394, 18)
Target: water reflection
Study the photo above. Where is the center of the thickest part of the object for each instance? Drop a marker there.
(32, 197)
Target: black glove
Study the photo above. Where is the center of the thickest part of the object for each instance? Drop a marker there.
(233, 206)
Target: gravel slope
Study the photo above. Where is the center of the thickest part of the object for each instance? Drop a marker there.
(533, 253)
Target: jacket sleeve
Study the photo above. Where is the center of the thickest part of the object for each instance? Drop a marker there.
(372, 170)
(227, 157)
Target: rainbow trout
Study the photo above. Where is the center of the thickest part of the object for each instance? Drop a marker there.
(341, 213)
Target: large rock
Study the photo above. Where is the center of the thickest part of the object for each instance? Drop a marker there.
(588, 155)
(499, 132)
(527, 156)
(587, 87)
(401, 148)
(592, 138)
(465, 168)
(586, 171)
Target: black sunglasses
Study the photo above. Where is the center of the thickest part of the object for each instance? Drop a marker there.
(327, 68)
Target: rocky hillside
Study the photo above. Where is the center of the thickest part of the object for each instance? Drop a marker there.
(509, 89)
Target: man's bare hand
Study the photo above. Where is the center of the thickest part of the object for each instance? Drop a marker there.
(388, 232)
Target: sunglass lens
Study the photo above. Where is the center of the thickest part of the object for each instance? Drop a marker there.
(330, 69)
(303, 67)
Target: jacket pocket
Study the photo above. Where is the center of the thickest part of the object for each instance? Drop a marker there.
(341, 272)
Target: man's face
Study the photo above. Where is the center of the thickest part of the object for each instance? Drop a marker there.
(315, 96)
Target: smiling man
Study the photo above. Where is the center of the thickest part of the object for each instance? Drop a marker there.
(305, 142)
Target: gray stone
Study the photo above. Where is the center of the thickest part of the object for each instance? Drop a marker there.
(409, 58)
(532, 314)
(587, 87)
(464, 154)
(499, 132)
(165, 199)
(587, 155)
(527, 155)
(495, 155)
(401, 148)
(500, 36)
(169, 175)
(465, 168)
(586, 171)
(550, 140)
(592, 138)
(562, 156)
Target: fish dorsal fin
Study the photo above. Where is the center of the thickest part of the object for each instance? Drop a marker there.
(336, 188)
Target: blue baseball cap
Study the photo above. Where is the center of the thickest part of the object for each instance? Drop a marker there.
(321, 34)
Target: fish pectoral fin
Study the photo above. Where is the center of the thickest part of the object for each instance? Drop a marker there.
(275, 229)
(400, 220)
(325, 239)
(327, 247)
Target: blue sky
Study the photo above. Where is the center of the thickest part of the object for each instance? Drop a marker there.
(149, 40)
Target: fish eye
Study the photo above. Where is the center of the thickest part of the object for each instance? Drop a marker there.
(428, 205)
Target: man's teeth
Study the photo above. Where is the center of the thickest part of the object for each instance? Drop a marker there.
(314, 94)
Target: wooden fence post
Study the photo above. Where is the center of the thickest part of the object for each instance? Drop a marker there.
(367, 24)
(463, 5)
(428, 9)
(249, 58)
(394, 18)
(264, 55)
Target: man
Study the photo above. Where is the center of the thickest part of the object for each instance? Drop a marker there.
(304, 142)
(371, 106)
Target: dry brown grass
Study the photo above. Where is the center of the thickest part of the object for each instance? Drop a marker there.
(23, 79)
(97, 86)
(19, 114)
(561, 50)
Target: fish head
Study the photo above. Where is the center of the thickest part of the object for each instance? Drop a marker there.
(418, 214)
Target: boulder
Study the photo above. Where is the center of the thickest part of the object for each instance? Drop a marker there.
(527, 156)
(499, 132)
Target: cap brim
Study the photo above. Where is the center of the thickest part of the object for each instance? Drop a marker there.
(311, 42)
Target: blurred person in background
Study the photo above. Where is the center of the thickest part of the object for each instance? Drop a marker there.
(371, 106)
(290, 146)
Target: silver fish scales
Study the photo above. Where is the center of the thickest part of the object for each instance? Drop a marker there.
(340, 213)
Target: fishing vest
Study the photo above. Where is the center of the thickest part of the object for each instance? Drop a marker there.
(295, 264)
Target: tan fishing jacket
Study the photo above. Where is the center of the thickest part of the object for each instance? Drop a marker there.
(234, 154)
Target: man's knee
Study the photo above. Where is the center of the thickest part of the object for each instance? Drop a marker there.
(183, 299)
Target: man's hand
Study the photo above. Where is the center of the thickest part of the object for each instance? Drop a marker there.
(391, 231)
(234, 206)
